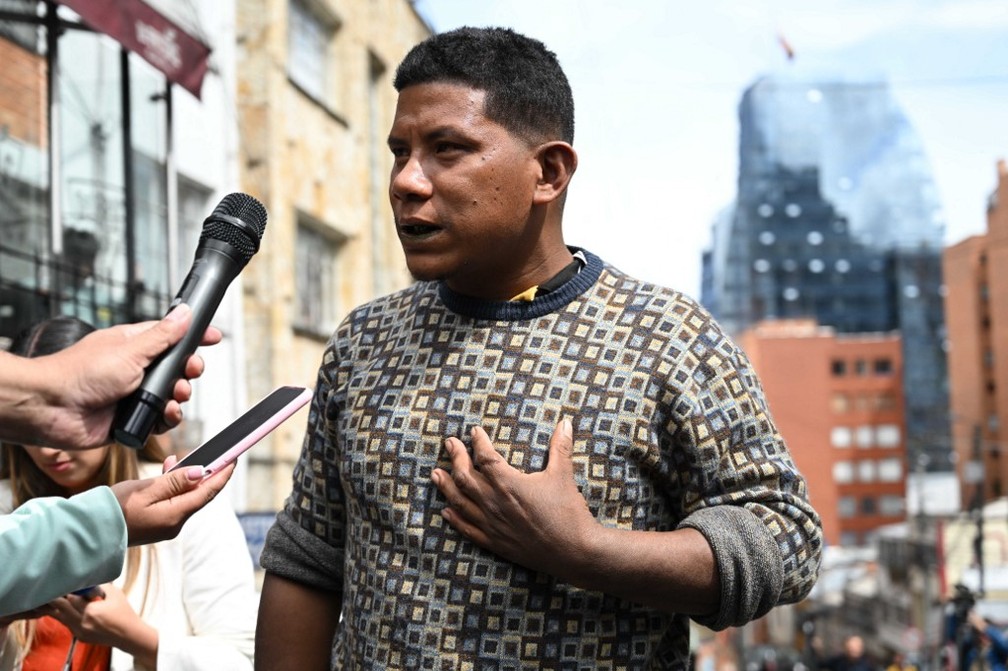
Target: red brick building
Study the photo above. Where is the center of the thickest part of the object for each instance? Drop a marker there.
(976, 316)
(838, 401)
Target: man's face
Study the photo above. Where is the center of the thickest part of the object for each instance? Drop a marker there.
(461, 190)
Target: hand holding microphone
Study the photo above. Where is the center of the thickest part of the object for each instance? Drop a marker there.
(231, 236)
(67, 400)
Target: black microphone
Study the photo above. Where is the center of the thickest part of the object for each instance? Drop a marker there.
(231, 235)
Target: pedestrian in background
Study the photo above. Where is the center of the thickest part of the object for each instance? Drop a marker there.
(990, 649)
(853, 657)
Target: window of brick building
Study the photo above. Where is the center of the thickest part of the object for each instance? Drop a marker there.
(891, 505)
(890, 470)
(843, 472)
(888, 435)
(866, 471)
(840, 436)
(840, 403)
(864, 436)
(885, 401)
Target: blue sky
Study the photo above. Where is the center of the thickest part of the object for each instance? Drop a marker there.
(657, 84)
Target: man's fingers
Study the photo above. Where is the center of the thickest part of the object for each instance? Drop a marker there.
(212, 336)
(467, 529)
(458, 455)
(459, 486)
(561, 450)
(182, 391)
(154, 340)
(485, 456)
(462, 477)
(194, 367)
(172, 417)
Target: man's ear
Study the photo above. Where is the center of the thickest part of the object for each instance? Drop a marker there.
(558, 161)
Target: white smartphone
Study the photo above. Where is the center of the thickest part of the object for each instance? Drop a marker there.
(247, 430)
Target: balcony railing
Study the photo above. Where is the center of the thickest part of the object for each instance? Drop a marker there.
(34, 287)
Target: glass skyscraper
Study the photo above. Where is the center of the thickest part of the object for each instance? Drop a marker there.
(837, 217)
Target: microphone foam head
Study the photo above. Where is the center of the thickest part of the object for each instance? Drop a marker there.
(240, 220)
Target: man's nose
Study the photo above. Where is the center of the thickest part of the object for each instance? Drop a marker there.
(410, 180)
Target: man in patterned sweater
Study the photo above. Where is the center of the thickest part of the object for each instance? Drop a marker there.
(528, 459)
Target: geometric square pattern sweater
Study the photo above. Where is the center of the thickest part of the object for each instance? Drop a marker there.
(671, 429)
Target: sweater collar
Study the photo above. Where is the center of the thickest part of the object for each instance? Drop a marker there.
(479, 308)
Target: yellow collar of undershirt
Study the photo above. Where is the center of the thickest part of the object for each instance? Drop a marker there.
(528, 295)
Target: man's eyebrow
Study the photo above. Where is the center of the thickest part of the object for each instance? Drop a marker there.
(437, 133)
(440, 132)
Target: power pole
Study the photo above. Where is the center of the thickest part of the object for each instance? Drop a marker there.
(978, 508)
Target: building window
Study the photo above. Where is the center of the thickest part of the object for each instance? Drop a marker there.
(883, 366)
(860, 367)
(310, 32)
(315, 283)
(869, 506)
(890, 470)
(891, 505)
(887, 435)
(840, 403)
(838, 367)
(840, 437)
(866, 471)
(843, 472)
(849, 539)
(847, 506)
(886, 401)
(864, 436)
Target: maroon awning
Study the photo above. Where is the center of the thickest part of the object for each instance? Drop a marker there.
(143, 30)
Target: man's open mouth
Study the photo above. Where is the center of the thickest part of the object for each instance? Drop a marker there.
(418, 229)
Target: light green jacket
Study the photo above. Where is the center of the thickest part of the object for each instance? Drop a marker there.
(52, 546)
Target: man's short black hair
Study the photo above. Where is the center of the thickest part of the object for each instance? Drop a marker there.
(526, 90)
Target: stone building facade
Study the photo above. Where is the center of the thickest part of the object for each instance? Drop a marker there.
(315, 102)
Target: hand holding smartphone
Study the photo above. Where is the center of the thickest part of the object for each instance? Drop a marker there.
(90, 593)
(247, 430)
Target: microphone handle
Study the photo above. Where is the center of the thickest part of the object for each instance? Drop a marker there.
(214, 267)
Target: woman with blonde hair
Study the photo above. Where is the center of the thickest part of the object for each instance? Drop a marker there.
(188, 604)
